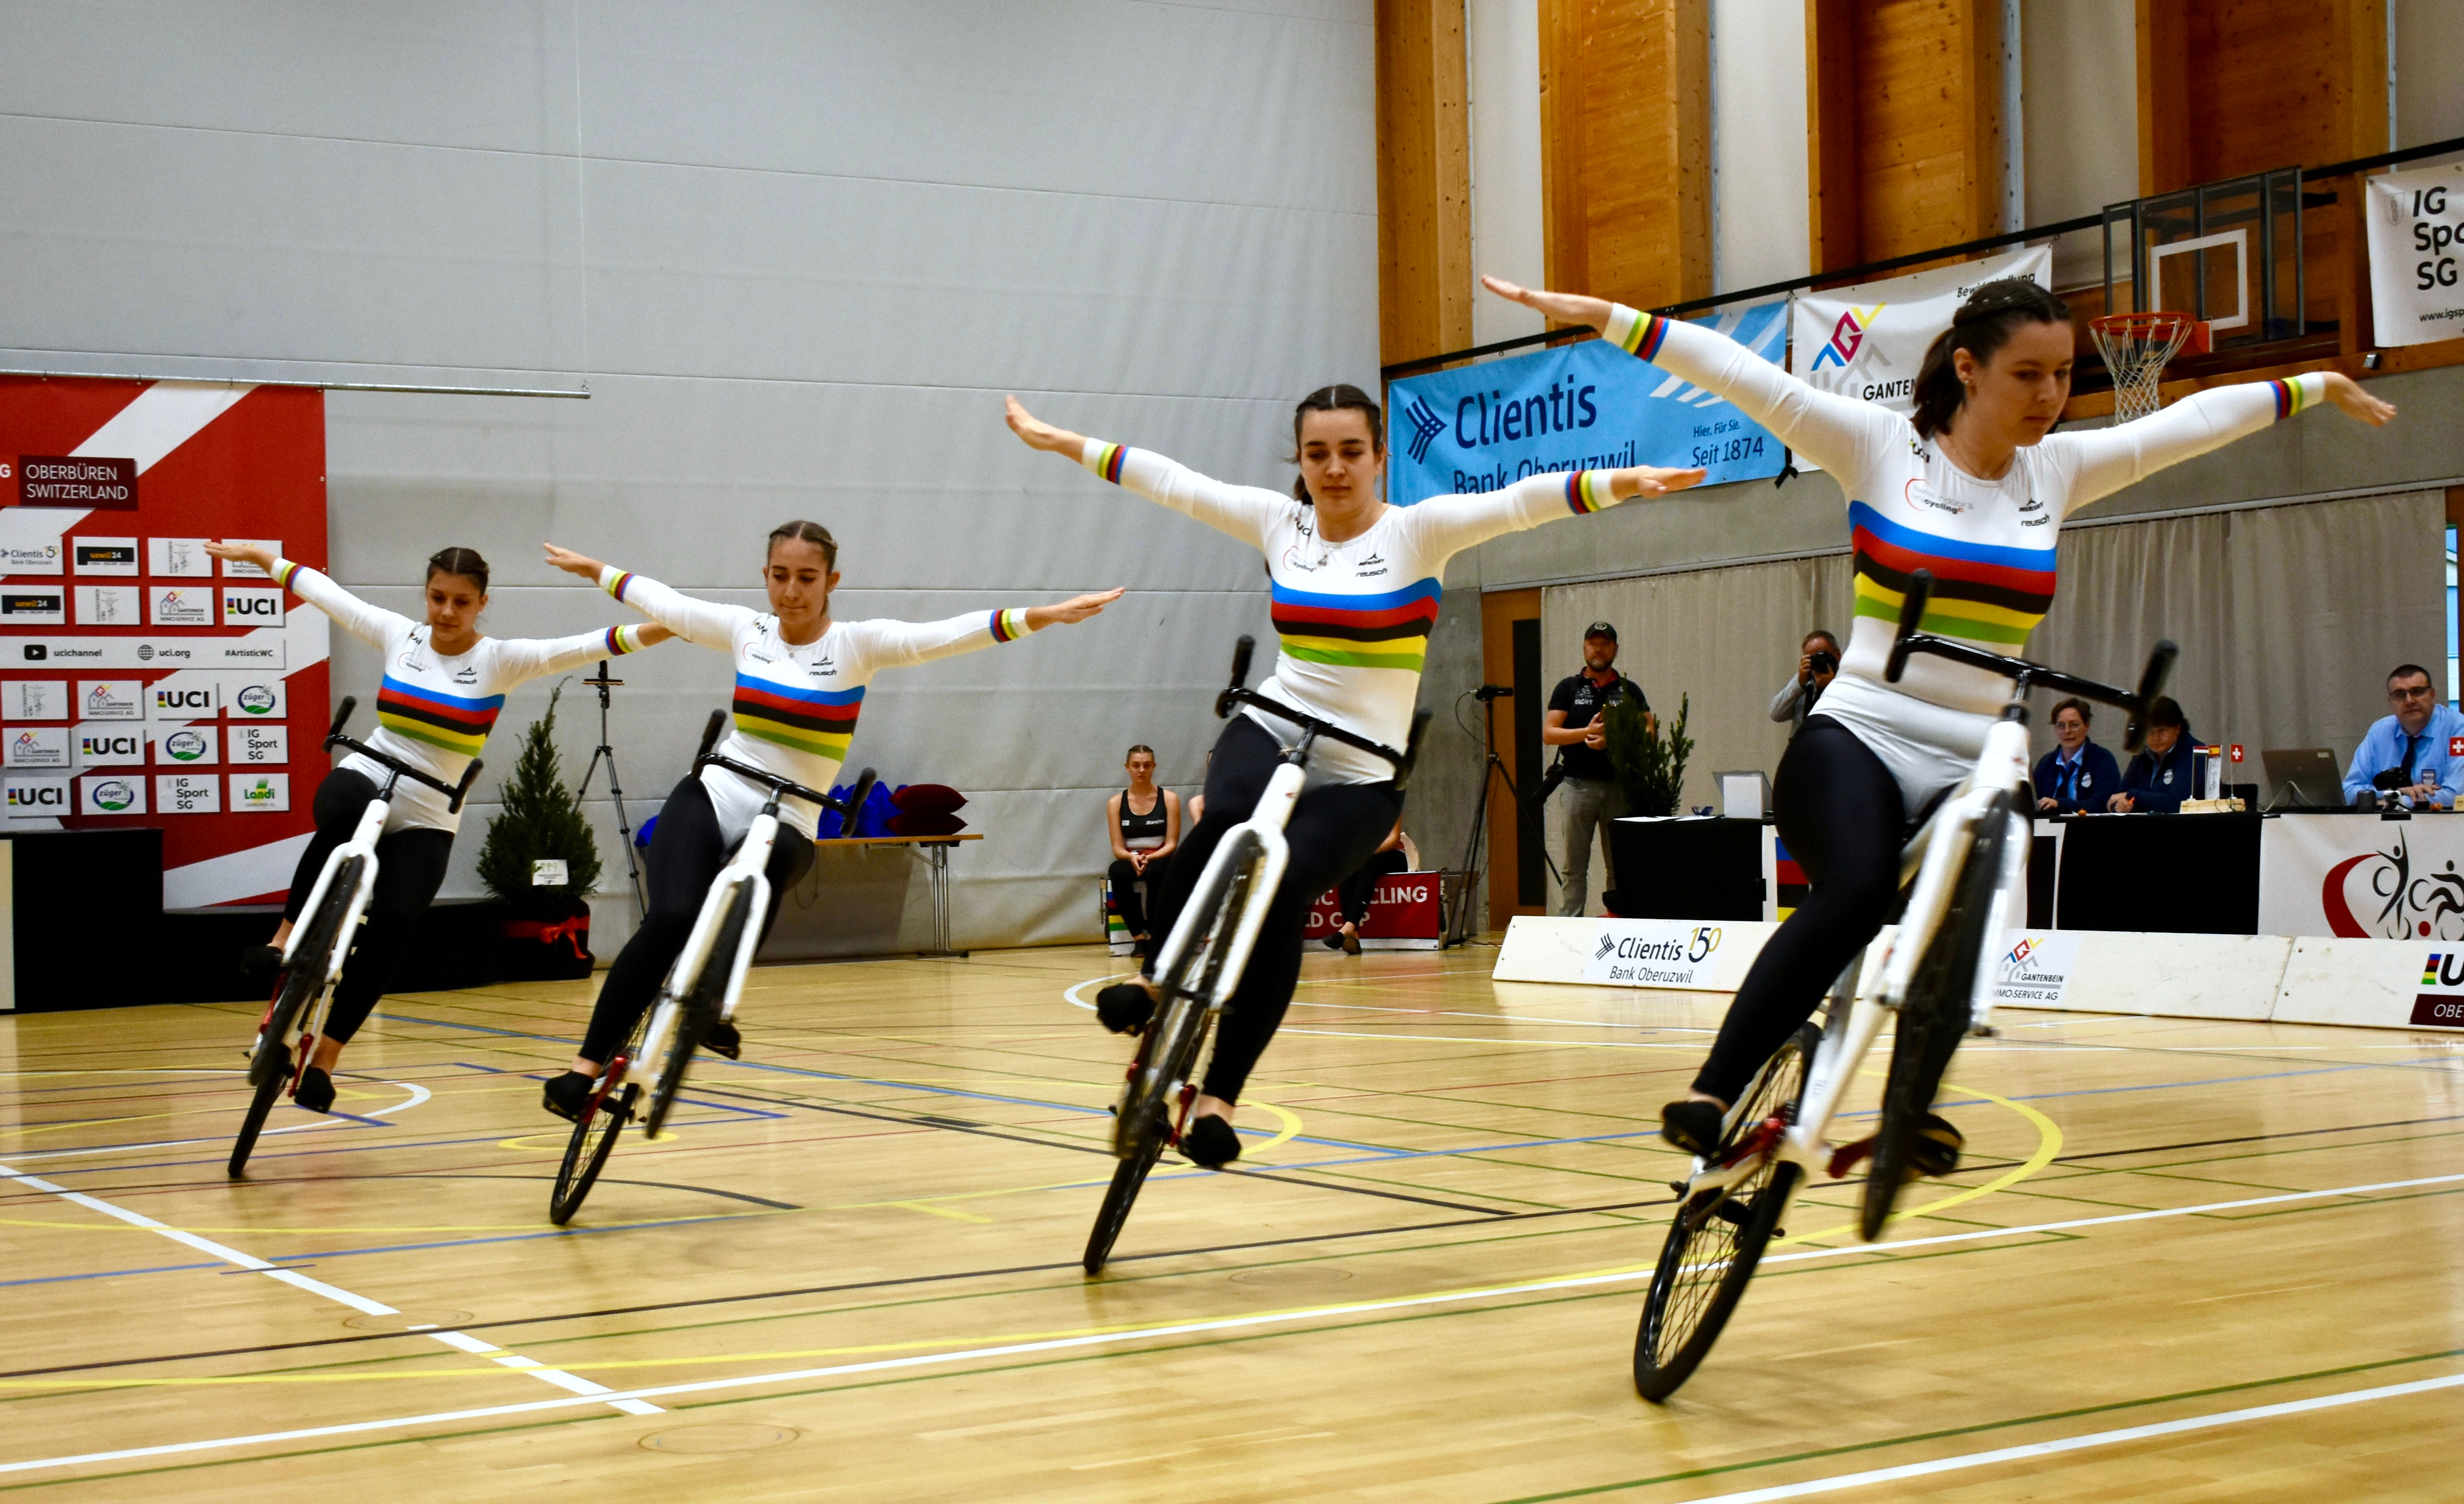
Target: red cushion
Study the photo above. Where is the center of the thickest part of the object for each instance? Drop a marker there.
(928, 798)
(905, 823)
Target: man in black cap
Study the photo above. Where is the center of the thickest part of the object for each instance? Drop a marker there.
(1578, 723)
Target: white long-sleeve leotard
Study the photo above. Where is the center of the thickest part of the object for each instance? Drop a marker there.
(435, 712)
(1988, 543)
(796, 704)
(1352, 618)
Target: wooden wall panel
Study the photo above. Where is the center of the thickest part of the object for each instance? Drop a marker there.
(2228, 87)
(1625, 126)
(1424, 273)
(1904, 125)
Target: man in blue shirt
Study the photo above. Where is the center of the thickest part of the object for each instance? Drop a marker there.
(2422, 743)
(2159, 779)
(2078, 775)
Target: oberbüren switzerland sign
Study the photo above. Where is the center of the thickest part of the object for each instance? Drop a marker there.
(1578, 406)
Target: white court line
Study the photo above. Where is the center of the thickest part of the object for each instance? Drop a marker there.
(317, 1287)
(1177, 1329)
(2050, 1448)
(418, 1094)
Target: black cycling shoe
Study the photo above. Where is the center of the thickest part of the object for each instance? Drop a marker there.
(1210, 1143)
(1125, 1006)
(568, 1094)
(315, 1090)
(1933, 1148)
(1693, 1127)
(723, 1039)
(259, 964)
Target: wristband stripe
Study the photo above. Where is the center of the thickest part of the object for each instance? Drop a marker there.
(1106, 461)
(622, 640)
(1588, 491)
(617, 581)
(1009, 625)
(283, 570)
(2297, 394)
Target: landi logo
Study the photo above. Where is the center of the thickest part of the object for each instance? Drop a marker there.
(113, 796)
(262, 792)
(184, 746)
(255, 699)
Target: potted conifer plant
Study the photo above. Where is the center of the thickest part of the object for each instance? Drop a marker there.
(541, 861)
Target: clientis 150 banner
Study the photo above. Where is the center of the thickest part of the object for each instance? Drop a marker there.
(141, 681)
(1578, 406)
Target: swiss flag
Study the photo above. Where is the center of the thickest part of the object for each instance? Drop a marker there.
(2456, 747)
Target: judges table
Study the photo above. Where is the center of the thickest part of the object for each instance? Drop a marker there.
(2324, 873)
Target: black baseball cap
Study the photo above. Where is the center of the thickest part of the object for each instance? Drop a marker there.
(1600, 630)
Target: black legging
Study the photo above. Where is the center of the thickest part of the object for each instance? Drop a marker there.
(1352, 895)
(1842, 815)
(1124, 879)
(410, 867)
(686, 855)
(1334, 827)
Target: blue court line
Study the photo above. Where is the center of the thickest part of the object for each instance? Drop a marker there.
(112, 1274)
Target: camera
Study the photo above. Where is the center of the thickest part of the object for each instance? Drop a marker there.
(1820, 663)
(1548, 781)
(1493, 691)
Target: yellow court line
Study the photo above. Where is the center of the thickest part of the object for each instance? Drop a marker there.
(2049, 1142)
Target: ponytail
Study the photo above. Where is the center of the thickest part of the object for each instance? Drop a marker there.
(1341, 397)
(1981, 327)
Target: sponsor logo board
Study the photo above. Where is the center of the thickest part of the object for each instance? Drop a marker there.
(103, 556)
(2036, 969)
(1403, 914)
(260, 744)
(1653, 953)
(38, 798)
(2440, 1002)
(255, 699)
(38, 746)
(33, 605)
(179, 559)
(111, 699)
(187, 794)
(253, 651)
(241, 569)
(107, 605)
(170, 700)
(179, 605)
(253, 792)
(39, 557)
(251, 607)
(112, 793)
(34, 700)
(187, 746)
(109, 746)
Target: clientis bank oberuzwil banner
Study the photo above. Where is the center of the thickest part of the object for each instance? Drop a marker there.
(141, 681)
(1578, 406)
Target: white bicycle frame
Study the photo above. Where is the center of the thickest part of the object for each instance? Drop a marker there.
(1266, 823)
(363, 843)
(748, 868)
(1938, 853)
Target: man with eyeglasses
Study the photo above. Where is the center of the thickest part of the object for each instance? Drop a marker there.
(2417, 752)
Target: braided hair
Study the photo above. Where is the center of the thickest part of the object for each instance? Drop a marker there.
(1338, 398)
(463, 562)
(1982, 326)
(813, 533)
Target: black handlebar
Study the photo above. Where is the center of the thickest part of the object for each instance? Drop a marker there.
(1238, 693)
(1910, 638)
(779, 786)
(455, 792)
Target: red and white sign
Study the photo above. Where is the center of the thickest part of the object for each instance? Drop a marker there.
(2359, 879)
(125, 479)
(1403, 914)
(2237, 752)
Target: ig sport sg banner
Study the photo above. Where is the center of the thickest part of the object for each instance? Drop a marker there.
(1578, 406)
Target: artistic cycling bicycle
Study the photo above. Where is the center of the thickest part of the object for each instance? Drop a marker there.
(1969, 864)
(311, 962)
(1202, 959)
(701, 989)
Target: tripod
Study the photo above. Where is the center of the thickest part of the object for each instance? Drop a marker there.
(1459, 932)
(632, 865)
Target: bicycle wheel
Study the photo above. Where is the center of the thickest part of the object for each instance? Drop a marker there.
(1174, 1038)
(1934, 1017)
(313, 964)
(260, 1105)
(1718, 1236)
(698, 1009)
(1129, 1176)
(585, 1154)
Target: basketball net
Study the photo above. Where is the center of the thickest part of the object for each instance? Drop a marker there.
(2135, 347)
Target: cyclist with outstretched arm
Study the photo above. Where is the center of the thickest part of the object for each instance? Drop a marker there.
(443, 688)
(800, 683)
(1973, 490)
(1354, 592)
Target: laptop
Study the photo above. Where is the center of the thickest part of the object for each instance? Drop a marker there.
(2304, 778)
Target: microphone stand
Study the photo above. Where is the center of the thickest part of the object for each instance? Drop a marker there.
(1459, 932)
(633, 863)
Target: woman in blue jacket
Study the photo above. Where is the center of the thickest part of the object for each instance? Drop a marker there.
(2159, 779)
(2077, 777)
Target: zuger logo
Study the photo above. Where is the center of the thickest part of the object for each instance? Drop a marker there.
(262, 792)
(113, 796)
(184, 746)
(255, 699)
(1693, 948)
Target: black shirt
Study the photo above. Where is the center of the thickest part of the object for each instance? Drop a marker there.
(1581, 700)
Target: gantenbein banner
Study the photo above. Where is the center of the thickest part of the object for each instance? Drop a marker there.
(1578, 406)
(1866, 342)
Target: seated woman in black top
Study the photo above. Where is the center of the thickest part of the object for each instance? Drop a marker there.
(1145, 826)
(1352, 895)
(2077, 777)
(2159, 779)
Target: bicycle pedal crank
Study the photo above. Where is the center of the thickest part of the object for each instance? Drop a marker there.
(1848, 1156)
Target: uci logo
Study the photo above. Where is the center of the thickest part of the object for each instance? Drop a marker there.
(95, 746)
(255, 699)
(39, 799)
(2445, 969)
(184, 746)
(192, 701)
(262, 604)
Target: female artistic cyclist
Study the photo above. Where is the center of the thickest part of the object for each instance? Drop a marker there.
(1975, 489)
(1355, 591)
(799, 681)
(442, 689)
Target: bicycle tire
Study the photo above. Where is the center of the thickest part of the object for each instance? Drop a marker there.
(699, 1009)
(260, 1106)
(305, 978)
(1129, 1177)
(1179, 1025)
(1934, 1017)
(585, 1154)
(1718, 1238)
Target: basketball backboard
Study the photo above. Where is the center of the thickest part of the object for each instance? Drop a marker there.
(2228, 253)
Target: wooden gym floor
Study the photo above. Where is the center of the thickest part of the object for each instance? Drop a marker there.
(2188, 1261)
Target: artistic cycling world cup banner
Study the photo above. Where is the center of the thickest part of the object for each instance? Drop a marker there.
(1578, 406)
(1866, 342)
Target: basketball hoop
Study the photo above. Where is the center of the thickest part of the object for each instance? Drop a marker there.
(2135, 347)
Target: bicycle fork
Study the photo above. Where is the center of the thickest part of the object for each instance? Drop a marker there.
(748, 871)
(363, 843)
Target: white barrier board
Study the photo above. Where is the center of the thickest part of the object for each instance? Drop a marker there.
(2377, 983)
(1678, 954)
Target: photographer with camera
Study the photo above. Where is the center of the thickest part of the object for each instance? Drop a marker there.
(2407, 758)
(1577, 725)
(1818, 661)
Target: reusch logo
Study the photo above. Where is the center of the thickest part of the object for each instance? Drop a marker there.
(255, 699)
(113, 796)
